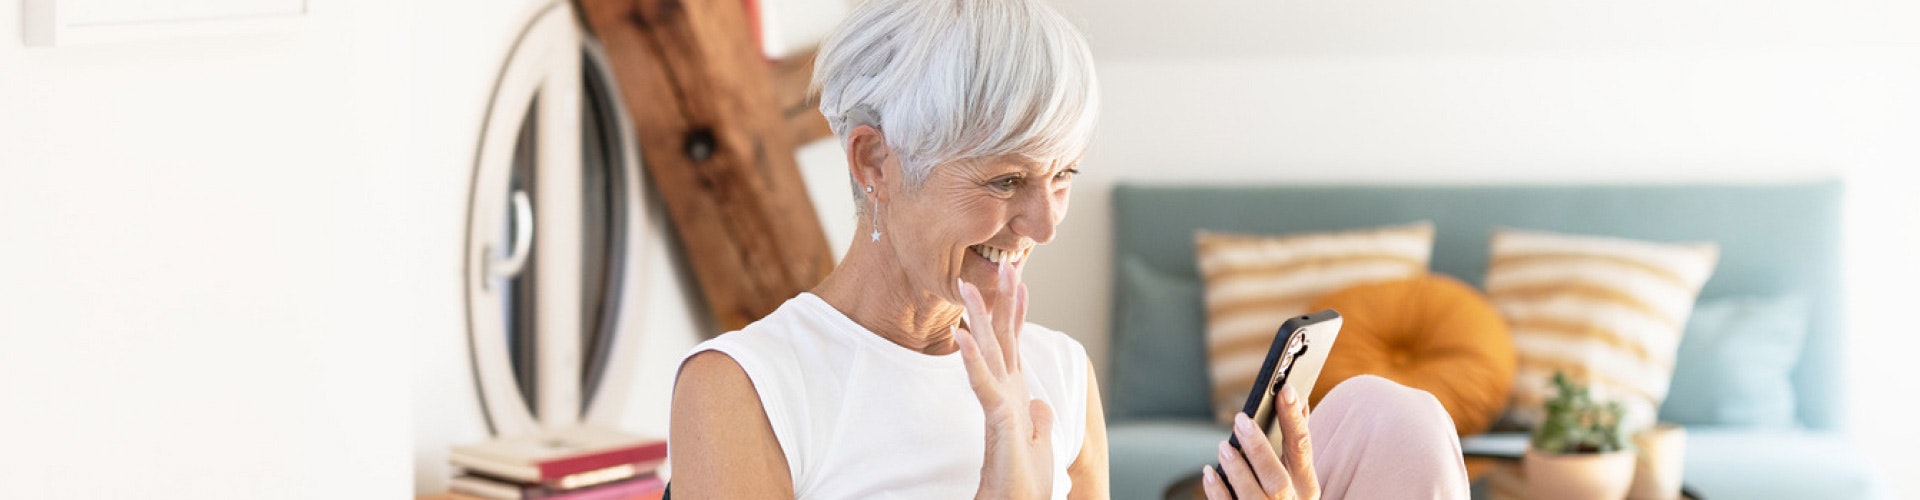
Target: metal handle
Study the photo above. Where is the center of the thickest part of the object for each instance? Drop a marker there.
(511, 265)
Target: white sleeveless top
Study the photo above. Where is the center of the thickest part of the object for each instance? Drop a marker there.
(861, 417)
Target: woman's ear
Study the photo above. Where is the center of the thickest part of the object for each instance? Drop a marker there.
(867, 155)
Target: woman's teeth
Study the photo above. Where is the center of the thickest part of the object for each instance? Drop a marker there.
(997, 256)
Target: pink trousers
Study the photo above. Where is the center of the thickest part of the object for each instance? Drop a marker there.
(1375, 438)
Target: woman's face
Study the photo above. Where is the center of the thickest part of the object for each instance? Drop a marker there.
(968, 215)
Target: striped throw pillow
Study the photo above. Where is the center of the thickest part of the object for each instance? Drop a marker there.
(1253, 283)
(1607, 311)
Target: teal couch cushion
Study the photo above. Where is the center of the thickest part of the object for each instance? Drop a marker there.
(1760, 465)
(1735, 363)
(1783, 464)
(1158, 355)
(1147, 456)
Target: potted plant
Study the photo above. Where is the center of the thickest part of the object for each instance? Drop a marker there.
(1579, 450)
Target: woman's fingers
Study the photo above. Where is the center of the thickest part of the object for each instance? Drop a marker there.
(980, 324)
(1274, 478)
(1239, 478)
(1298, 455)
(1210, 482)
(1019, 321)
(978, 375)
(1004, 327)
(1261, 472)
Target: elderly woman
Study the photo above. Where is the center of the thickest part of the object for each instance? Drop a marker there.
(910, 371)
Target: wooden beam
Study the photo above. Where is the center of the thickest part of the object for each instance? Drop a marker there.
(791, 77)
(717, 148)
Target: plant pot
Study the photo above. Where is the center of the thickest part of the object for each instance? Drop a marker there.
(1579, 476)
(1663, 455)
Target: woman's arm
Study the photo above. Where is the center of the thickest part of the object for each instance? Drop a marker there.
(1089, 470)
(723, 444)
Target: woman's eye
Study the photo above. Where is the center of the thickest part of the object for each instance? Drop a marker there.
(1008, 182)
(1066, 175)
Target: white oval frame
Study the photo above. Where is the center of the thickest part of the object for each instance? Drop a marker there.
(545, 63)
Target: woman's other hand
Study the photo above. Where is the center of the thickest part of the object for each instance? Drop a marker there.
(1019, 457)
(1261, 472)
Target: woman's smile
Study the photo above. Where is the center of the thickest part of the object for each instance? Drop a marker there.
(984, 261)
(996, 255)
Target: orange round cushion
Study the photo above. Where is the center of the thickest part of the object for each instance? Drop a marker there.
(1432, 333)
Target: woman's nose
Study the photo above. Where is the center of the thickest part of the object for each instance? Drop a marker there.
(1036, 219)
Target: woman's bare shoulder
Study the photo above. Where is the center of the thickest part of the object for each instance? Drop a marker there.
(723, 443)
(714, 374)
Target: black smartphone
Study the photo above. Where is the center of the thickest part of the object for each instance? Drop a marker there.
(1298, 351)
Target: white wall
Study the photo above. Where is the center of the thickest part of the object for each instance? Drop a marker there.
(1513, 91)
(231, 264)
(206, 277)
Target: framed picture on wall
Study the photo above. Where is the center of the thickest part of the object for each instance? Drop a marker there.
(49, 23)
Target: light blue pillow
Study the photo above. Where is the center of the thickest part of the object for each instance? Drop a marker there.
(1159, 367)
(1736, 363)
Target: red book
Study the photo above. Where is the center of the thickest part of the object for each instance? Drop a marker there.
(638, 489)
(551, 456)
(495, 489)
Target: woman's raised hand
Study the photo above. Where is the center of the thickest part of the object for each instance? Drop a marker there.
(1019, 458)
(1260, 472)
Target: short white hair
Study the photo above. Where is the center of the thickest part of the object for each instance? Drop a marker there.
(952, 80)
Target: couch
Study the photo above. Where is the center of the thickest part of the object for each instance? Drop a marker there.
(1774, 239)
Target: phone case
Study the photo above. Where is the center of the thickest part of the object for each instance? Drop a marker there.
(1290, 343)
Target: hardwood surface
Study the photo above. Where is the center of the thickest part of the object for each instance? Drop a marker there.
(719, 148)
(798, 105)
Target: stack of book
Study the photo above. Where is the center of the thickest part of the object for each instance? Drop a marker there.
(580, 463)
